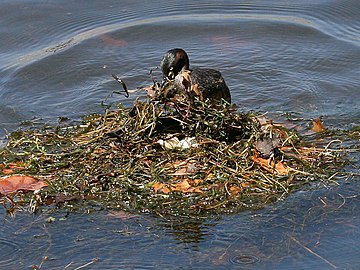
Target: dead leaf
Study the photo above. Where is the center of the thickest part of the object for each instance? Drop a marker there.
(234, 190)
(8, 171)
(245, 184)
(161, 188)
(11, 168)
(318, 126)
(186, 79)
(197, 181)
(15, 183)
(158, 186)
(197, 91)
(271, 166)
(209, 176)
(182, 171)
(166, 190)
(187, 168)
(281, 168)
(183, 185)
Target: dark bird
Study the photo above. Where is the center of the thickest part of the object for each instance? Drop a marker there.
(204, 82)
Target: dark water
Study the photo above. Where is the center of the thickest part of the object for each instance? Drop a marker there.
(56, 59)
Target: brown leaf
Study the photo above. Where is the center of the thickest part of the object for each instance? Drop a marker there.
(182, 171)
(8, 171)
(197, 91)
(166, 190)
(245, 184)
(161, 188)
(15, 183)
(197, 181)
(183, 185)
(234, 190)
(209, 176)
(281, 168)
(187, 169)
(318, 126)
(158, 186)
(186, 79)
(269, 165)
(11, 168)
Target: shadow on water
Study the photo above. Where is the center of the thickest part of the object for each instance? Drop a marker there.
(280, 57)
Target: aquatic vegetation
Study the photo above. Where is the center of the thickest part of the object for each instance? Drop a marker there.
(166, 155)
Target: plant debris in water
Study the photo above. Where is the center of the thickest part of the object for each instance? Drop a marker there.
(169, 154)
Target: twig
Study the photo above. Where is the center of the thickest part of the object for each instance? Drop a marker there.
(122, 83)
(87, 264)
(312, 252)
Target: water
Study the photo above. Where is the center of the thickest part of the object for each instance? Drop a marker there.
(56, 60)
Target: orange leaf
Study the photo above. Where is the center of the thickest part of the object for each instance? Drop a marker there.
(197, 181)
(318, 126)
(11, 167)
(161, 187)
(158, 186)
(183, 185)
(197, 91)
(268, 164)
(15, 183)
(166, 190)
(234, 190)
(7, 171)
(186, 78)
(281, 168)
(182, 171)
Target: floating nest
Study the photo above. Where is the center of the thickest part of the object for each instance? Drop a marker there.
(168, 154)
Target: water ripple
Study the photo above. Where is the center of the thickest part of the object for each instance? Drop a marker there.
(9, 252)
(101, 30)
(244, 259)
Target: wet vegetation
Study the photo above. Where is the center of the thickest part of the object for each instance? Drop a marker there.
(171, 154)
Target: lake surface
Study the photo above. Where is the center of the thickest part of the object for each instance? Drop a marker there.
(300, 57)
